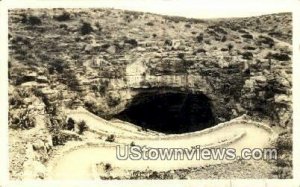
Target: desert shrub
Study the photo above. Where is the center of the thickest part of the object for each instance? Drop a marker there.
(63, 26)
(113, 101)
(65, 16)
(266, 40)
(57, 139)
(70, 124)
(224, 49)
(207, 41)
(200, 50)
(230, 46)
(132, 144)
(132, 42)
(70, 79)
(223, 38)
(199, 38)
(219, 30)
(248, 36)
(180, 55)
(34, 20)
(66, 75)
(57, 65)
(15, 101)
(278, 56)
(247, 55)
(97, 24)
(188, 25)
(86, 28)
(249, 48)
(150, 23)
(168, 42)
(82, 127)
(111, 138)
(31, 19)
(107, 167)
(24, 120)
(103, 87)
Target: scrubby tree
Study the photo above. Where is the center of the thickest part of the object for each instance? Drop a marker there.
(86, 28)
(70, 124)
(111, 138)
(82, 127)
(200, 37)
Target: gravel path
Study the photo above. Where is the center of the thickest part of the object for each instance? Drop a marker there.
(78, 164)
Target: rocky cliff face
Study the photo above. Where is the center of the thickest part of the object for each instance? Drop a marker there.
(103, 58)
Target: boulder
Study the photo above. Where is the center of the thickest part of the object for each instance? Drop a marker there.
(282, 99)
(111, 50)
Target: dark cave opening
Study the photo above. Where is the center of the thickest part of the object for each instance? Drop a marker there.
(170, 113)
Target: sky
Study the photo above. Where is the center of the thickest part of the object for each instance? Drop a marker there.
(186, 8)
(204, 8)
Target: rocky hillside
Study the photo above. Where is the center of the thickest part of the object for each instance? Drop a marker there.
(102, 58)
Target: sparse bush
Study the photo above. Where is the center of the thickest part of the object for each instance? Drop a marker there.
(111, 138)
(103, 87)
(63, 26)
(86, 28)
(224, 49)
(223, 38)
(132, 144)
(278, 56)
(57, 65)
(219, 30)
(200, 37)
(65, 16)
(266, 40)
(112, 102)
(82, 127)
(247, 55)
(188, 25)
(70, 124)
(180, 55)
(248, 36)
(168, 42)
(107, 167)
(34, 20)
(97, 24)
(132, 42)
(230, 46)
(207, 41)
(150, 24)
(57, 139)
(200, 50)
(24, 120)
(70, 79)
(15, 101)
(249, 48)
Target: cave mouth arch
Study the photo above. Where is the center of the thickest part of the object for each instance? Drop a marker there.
(170, 113)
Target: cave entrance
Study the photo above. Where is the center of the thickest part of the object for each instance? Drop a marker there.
(170, 113)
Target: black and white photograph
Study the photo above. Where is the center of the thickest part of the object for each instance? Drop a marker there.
(132, 92)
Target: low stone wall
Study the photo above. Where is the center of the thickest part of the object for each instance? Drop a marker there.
(243, 120)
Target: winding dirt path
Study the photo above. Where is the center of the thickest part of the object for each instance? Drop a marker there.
(237, 134)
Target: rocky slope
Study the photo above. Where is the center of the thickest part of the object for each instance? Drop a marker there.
(106, 54)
